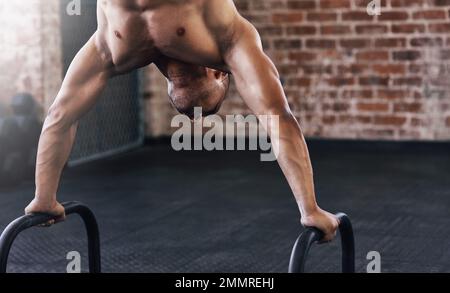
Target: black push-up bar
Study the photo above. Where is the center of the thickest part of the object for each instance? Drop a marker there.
(16, 227)
(296, 265)
(313, 235)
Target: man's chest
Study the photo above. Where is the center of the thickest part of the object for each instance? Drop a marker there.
(136, 37)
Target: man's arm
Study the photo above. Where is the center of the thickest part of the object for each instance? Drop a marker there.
(85, 80)
(258, 82)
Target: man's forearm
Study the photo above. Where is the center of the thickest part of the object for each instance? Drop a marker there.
(294, 160)
(54, 149)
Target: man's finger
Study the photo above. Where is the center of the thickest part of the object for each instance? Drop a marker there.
(60, 219)
(48, 224)
(324, 241)
(327, 239)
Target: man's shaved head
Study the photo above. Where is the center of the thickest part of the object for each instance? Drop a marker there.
(206, 89)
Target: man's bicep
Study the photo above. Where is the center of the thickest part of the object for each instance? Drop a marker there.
(84, 81)
(88, 65)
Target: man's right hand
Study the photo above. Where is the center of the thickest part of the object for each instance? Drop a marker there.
(52, 208)
(324, 221)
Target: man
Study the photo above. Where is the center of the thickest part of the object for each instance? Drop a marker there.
(195, 44)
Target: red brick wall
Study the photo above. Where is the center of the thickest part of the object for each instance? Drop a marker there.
(346, 74)
(351, 75)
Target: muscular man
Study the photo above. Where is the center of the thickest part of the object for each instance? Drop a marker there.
(195, 44)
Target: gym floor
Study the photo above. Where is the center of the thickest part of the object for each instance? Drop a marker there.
(163, 211)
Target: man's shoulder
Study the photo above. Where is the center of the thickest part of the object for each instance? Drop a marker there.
(220, 15)
(224, 21)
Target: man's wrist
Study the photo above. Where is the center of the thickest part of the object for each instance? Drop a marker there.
(308, 210)
(49, 199)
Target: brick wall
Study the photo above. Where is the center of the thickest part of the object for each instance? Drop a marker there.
(30, 53)
(348, 74)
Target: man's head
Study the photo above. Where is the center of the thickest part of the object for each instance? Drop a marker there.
(193, 86)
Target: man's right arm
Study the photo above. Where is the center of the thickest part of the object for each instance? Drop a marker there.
(86, 78)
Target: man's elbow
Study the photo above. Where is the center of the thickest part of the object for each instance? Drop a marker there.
(281, 117)
(283, 113)
(58, 119)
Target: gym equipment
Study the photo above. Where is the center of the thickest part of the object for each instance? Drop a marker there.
(12, 169)
(8, 129)
(313, 235)
(23, 104)
(12, 161)
(19, 137)
(2, 110)
(16, 227)
(28, 139)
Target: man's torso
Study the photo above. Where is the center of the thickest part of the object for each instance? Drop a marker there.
(135, 33)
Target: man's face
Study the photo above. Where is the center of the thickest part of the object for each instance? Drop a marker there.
(202, 87)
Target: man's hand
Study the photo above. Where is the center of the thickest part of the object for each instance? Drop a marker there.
(324, 221)
(52, 208)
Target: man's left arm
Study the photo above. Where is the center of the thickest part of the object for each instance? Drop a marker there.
(258, 83)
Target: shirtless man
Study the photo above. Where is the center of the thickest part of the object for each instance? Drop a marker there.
(195, 44)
